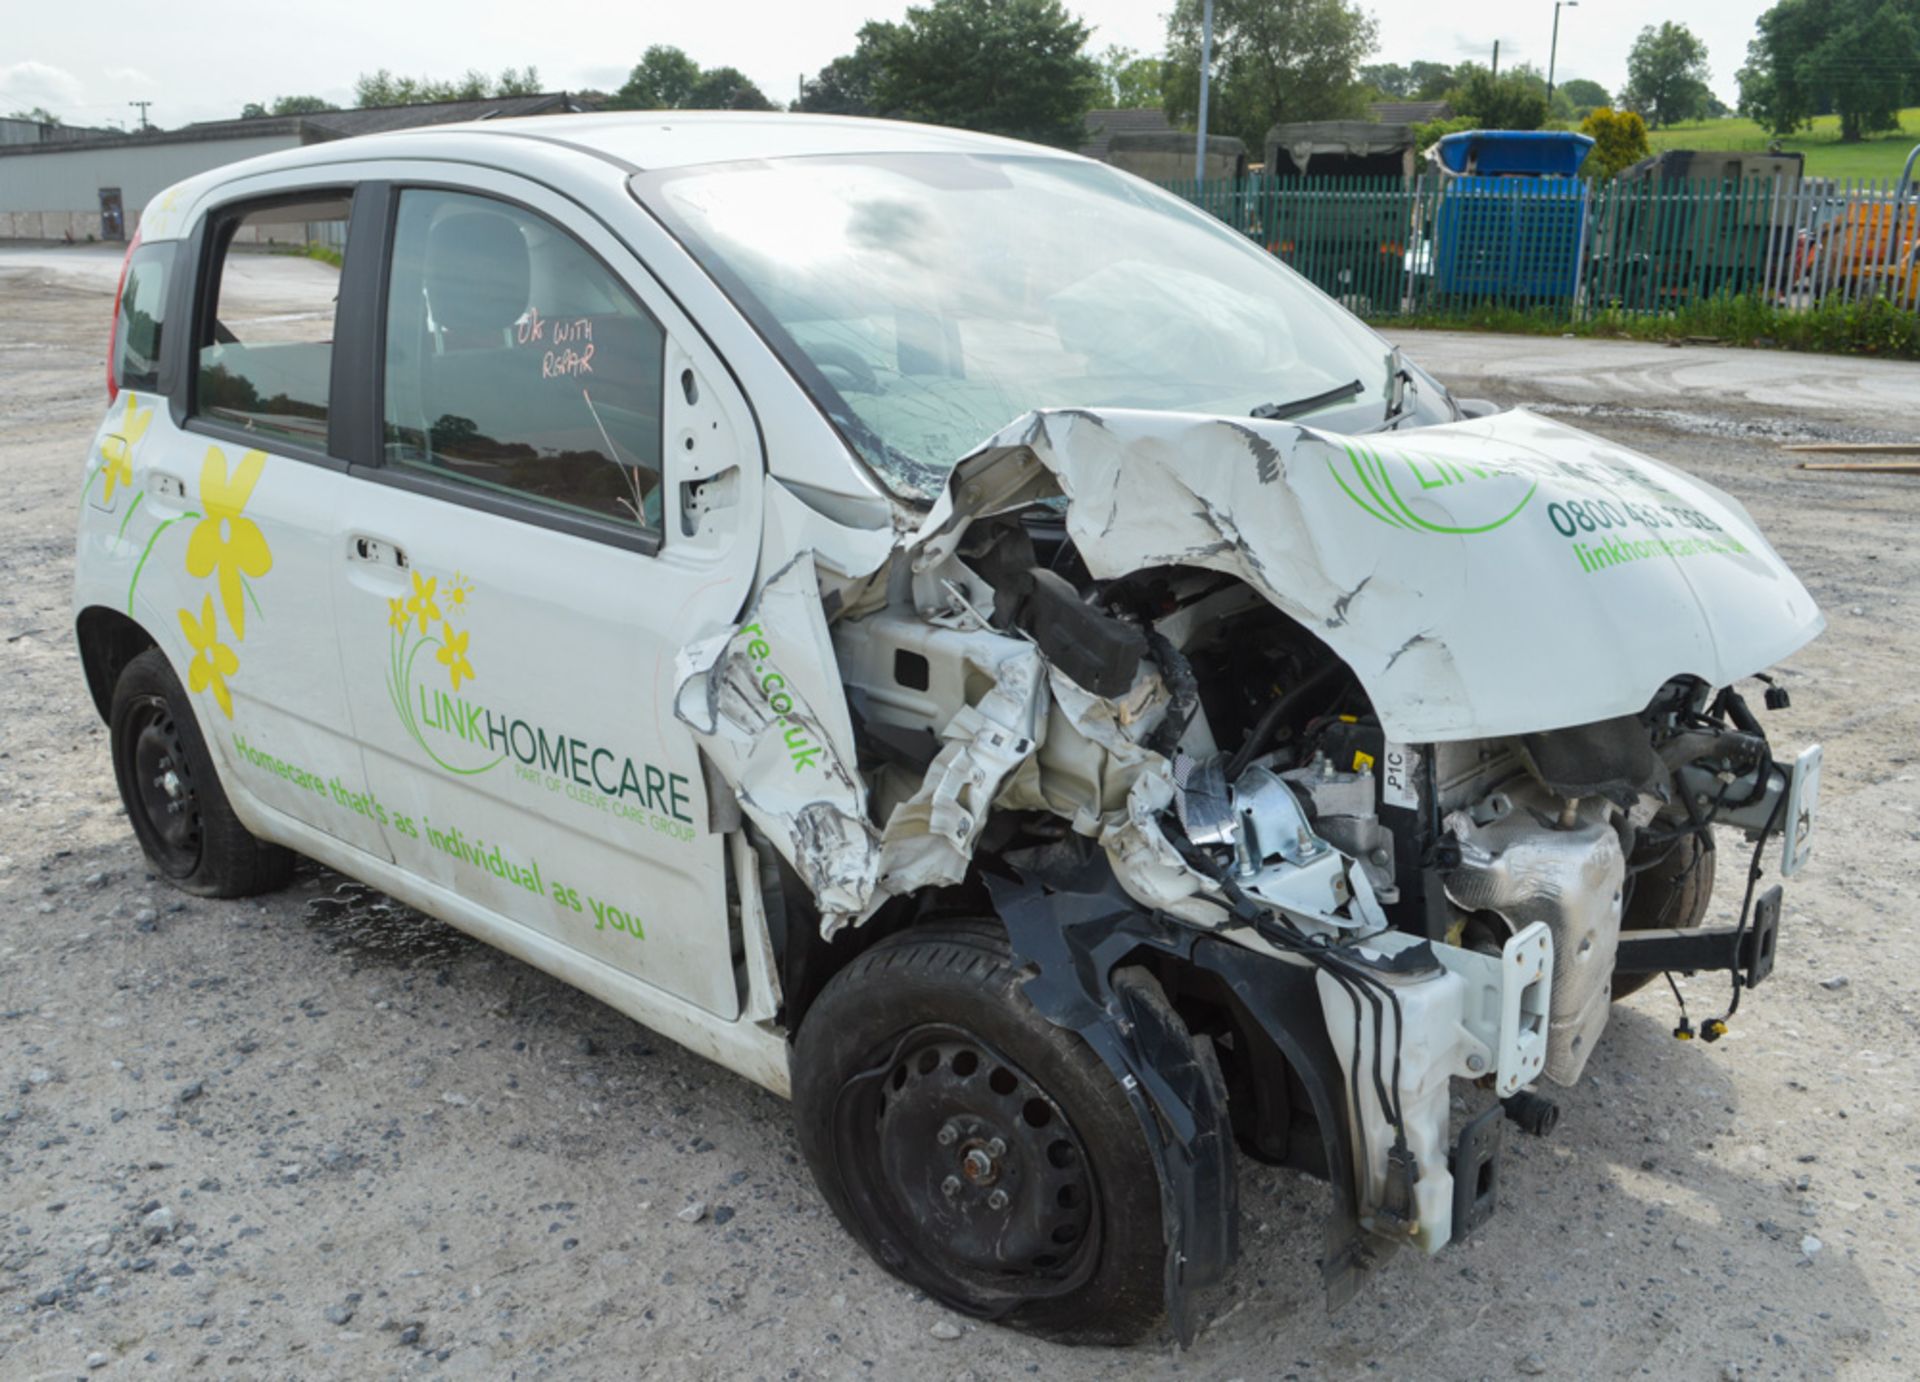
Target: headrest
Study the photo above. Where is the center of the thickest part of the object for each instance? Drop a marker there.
(477, 271)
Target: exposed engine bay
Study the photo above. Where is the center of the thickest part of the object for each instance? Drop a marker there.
(1278, 697)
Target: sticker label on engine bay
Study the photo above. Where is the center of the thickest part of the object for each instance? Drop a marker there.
(1397, 766)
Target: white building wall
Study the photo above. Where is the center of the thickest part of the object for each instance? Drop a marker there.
(56, 189)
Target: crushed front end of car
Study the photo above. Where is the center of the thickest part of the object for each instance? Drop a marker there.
(1392, 757)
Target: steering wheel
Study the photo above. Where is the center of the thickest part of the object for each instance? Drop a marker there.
(860, 375)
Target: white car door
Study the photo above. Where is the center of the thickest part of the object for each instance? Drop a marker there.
(228, 491)
(566, 491)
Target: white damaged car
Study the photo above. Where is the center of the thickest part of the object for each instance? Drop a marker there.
(949, 632)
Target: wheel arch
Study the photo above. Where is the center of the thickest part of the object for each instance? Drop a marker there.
(108, 641)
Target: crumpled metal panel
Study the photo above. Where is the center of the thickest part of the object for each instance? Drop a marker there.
(1497, 576)
(1502, 575)
(765, 701)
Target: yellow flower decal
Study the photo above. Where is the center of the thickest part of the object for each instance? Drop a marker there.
(421, 602)
(116, 452)
(453, 655)
(225, 541)
(457, 592)
(213, 661)
(396, 612)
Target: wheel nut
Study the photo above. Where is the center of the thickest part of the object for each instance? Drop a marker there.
(947, 1135)
(997, 1200)
(950, 1186)
(996, 1147)
(978, 1166)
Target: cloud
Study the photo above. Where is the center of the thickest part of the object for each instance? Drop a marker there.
(33, 83)
(128, 76)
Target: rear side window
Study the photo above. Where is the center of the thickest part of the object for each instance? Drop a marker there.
(266, 334)
(143, 313)
(517, 364)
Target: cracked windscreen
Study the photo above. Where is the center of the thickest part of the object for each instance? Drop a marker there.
(929, 299)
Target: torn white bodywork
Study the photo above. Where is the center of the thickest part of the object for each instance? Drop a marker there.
(1494, 578)
(1497, 576)
(1491, 577)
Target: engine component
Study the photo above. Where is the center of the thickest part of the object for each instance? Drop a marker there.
(1344, 816)
(1528, 857)
(1098, 651)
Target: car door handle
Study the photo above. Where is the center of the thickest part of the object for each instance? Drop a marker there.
(376, 552)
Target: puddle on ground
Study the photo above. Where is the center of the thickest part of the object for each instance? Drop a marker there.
(1714, 425)
(352, 919)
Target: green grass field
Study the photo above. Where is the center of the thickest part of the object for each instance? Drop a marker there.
(1878, 157)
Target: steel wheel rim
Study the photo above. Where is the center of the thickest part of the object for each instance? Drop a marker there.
(164, 798)
(968, 1172)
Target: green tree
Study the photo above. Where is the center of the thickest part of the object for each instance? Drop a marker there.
(843, 87)
(1013, 67)
(1514, 101)
(1619, 141)
(663, 79)
(1390, 79)
(1666, 75)
(1856, 57)
(1133, 81)
(1430, 81)
(727, 88)
(1583, 95)
(382, 88)
(1274, 62)
(39, 115)
(525, 82)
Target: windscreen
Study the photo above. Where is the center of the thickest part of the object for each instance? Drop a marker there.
(929, 299)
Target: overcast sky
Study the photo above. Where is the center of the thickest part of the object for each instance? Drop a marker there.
(204, 59)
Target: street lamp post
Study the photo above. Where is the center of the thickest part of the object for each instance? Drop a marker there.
(1553, 50)
(1206, 64)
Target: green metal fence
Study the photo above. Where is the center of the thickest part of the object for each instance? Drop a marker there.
(1434, 246)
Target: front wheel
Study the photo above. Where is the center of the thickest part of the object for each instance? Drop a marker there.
(978, 1151)
(173, 795)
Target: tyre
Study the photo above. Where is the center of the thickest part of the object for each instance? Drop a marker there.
(1675, 891)
(172, 792)
(976, 1150)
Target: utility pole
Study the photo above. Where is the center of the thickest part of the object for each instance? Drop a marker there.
(144, 125)
(1496, 59)
(1206, 66)
(1553, 49)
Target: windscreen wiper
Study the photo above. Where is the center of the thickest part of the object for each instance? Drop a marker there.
(1272, 412)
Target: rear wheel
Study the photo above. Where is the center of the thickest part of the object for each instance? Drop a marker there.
(978, 1151)
(1673, 892)
(172, 793)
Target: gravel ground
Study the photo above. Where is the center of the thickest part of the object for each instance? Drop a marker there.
(318, 1135)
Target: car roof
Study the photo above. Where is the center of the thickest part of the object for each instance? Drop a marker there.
(645, 140)
(653, 139)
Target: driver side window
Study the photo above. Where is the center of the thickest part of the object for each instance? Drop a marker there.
(517, 364)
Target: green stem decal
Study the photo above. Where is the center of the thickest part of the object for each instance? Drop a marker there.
(141, 565)
(129, 516)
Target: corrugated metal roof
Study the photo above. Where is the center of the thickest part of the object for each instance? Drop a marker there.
(1102, 125)
(330, 124)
